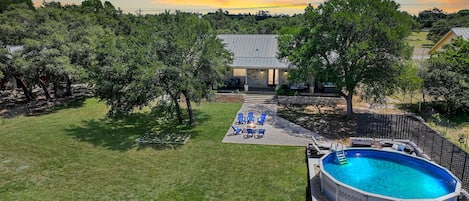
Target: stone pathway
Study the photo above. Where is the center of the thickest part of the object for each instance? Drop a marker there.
(279, 131)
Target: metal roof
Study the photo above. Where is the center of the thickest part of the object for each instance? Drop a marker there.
(463, 32)
(253, 50)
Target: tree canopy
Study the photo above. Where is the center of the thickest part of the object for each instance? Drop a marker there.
(10, 4)
(167, 54)
(430, 16)
(447, 75)
(351, 43)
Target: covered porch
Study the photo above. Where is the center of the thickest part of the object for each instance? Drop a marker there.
(261, 79)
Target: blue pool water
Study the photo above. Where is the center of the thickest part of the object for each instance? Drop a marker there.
(391, 174)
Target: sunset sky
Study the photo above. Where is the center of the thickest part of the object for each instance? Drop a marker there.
(252, 6)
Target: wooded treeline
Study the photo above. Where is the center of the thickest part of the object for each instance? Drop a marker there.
(131, 60)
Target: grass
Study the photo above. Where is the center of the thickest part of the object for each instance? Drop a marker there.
(419, 40)
(76, 153)
(452, 126)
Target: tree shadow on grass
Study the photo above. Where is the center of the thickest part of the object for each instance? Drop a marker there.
(120, 133)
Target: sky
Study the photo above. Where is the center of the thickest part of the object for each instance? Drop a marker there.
(252, 6)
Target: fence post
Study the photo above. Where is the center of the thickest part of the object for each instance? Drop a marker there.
(451, 160)
(433, 143)
(418, 134)
(441, 149)
(464, 169)
(447, 125)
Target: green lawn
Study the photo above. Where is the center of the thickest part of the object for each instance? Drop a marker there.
(419, 40)
(76, 153)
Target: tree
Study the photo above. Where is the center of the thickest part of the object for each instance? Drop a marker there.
(447, 75)
(428, 17)
(167, 54)
(123, 75)
(56, 46)
(409, 80)
(15, 26)
(200, 59)
(7, 4)
(442, 26)
(351, 43)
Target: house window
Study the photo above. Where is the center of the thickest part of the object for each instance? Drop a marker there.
(273, 77)
(239, 72)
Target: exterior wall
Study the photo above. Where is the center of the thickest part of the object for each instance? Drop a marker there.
(257, 78)
(445, 40)
(283, 77)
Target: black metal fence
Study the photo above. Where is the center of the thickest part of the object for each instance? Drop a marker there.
(432, 143)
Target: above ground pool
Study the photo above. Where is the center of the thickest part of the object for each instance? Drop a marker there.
(372, 174)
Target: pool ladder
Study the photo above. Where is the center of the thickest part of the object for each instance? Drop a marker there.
(340, 154)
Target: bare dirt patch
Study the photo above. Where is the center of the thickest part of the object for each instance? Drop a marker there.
(330, 121)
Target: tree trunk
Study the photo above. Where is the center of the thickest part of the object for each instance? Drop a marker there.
(26, 91)
(68, 90)
(56, 89)
(178, 107)
(46, 91)
(348, 99)
(44, 88)
(189, 111)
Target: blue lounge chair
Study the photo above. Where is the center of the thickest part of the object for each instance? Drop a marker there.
(250, 118)
(260, 133)
(237, 130)
(249, 133)
(261, 119)
(241, 119)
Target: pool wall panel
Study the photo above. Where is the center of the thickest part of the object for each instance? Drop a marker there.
(335, 190)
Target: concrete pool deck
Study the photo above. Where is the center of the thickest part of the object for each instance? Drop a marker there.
(278, 131)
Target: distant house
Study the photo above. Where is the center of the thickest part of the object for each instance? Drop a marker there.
(255, 64)
(462, 32)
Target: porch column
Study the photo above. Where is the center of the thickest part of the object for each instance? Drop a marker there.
(246, 86)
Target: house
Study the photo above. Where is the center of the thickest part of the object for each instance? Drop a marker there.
(255, 63)
(462, 32)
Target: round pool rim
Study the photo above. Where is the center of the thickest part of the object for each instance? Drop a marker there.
(344, 190)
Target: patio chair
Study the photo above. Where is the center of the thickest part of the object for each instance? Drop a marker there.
(241, 119)
(236, 130)
(250, 118)
(249, 133)
(260, 133)
(261, 119)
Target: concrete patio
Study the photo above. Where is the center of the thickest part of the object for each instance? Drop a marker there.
(279, 131)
